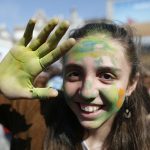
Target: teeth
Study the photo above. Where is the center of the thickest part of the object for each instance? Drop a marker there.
(89, 108)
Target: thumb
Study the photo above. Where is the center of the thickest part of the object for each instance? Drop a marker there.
(44, 92)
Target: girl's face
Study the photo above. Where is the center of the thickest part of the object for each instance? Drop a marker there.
(96, 74)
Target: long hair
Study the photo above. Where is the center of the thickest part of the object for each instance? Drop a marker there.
(126, 133)
(130, 133)
(64, 131)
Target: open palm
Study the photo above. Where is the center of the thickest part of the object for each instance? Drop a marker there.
(26, 60)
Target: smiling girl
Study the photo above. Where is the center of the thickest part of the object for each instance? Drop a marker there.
(101, 106)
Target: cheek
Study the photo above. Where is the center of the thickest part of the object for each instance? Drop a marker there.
(113, 96)
(70, 88)
(121, 98)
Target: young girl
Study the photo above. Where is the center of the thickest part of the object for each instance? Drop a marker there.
(102, 104)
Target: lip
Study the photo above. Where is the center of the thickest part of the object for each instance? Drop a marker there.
(90, 115)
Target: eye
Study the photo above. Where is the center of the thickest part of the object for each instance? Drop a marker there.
(106, 77)
(73, 76)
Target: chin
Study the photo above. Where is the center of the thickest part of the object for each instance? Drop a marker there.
(90, 124)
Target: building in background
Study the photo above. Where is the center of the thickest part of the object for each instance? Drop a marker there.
(137, 14)
(133, 12)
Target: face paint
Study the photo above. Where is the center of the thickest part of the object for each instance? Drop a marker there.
(120, 98)
(98, 76)
(87, 90)
(88, 86)
(90, 46)
(98, 61)
(113, 97)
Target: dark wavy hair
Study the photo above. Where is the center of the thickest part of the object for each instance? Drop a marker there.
(126, 133)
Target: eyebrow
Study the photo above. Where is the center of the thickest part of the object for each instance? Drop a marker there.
(100, 68)
(71, 66)
(107, 68)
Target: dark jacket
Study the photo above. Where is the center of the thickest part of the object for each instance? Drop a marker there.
(27, 121)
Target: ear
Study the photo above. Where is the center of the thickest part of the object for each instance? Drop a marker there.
(132, 85)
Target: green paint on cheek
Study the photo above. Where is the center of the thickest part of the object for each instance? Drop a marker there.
(111, 95)
(103, 117)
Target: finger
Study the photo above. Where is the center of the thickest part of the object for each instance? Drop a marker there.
(44, 92)
(53, 40)
(42, 37)
(57, 53)
(28, 33)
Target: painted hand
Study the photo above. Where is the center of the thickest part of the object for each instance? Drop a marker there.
(26, 60)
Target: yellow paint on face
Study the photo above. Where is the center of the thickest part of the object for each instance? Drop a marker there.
(93, 57)
(120, 100)
(114, 96)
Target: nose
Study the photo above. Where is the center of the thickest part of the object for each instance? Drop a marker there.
(88, 89)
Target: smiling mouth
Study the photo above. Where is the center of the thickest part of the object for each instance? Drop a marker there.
(90, 108)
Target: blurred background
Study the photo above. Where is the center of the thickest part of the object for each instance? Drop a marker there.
(15, 14)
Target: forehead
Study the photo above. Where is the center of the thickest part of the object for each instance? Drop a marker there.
(95, 46)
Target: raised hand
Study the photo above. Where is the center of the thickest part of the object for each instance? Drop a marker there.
(28, 58)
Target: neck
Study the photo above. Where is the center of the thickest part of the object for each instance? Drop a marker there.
(96, 137)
